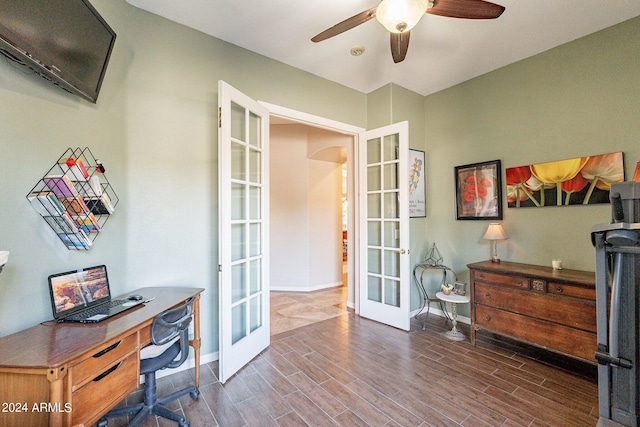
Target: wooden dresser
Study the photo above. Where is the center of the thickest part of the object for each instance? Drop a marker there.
(551, 309)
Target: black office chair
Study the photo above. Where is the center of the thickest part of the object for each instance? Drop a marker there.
(170, 338)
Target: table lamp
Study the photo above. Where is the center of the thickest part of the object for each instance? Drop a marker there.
(494, 233)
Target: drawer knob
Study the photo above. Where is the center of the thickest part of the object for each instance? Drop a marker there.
(519, 282)
(487, 295)
(481, 275)
(558, 289)
(487, 317)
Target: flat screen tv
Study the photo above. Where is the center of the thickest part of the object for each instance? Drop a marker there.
(64, 41)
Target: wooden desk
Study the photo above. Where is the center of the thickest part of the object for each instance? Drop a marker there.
(70, 374)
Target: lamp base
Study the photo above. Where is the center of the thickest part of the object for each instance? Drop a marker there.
(494, 251)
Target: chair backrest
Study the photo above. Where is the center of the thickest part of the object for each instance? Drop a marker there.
(171, 324)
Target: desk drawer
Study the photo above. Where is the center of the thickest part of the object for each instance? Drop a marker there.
(103, 358)
(105, 390)
(516, 281)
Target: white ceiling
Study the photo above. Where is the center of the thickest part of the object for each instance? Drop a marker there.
(442, 51)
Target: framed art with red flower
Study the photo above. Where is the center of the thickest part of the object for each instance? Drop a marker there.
(479, 191)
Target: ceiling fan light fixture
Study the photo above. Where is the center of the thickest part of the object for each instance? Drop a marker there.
(399, 16)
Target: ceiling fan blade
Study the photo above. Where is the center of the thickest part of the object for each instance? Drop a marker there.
(469, 9)
(346, 25)
(399, 45)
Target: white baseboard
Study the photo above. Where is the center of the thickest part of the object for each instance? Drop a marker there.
(438, 312)
(277, 288)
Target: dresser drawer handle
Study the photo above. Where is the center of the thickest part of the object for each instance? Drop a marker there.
(107, 372)
(487, 295)
(107, 350)
(487, 317)
(481, 275)
(519, 282)
(558, 289)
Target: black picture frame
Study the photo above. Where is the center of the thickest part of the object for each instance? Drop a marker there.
(479, 191)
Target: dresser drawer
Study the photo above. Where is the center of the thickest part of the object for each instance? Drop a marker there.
(571, 291)
(94, 365)
(502, 279)
(567, 311)
(105, 390)
(548, 335)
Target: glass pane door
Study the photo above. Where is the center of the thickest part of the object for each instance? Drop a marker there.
(244, 294)
(384, 295)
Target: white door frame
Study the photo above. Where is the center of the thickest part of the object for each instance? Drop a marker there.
(347, 129)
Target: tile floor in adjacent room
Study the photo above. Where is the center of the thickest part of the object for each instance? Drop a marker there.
(290, 310)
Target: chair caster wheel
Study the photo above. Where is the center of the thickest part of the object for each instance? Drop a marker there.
(102, 423)
(184, 424)
(194, 394)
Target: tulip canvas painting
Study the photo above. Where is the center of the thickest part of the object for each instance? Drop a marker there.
(478, 191)
(578, 181)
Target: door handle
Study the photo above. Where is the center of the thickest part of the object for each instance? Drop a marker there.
(402, 251)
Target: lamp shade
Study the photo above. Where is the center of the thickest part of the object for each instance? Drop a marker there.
(495, 232)
(399, 16)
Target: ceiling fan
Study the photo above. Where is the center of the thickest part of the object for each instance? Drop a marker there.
(400, 16)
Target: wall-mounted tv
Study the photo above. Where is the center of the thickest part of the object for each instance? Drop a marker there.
(64, 41)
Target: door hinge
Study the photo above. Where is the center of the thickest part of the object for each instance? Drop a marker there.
(219, 117)
(219, 268)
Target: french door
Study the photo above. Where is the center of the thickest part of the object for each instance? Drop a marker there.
(384, 225)
(243, 141)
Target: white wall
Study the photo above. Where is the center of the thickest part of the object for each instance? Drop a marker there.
(288, 208)
(305, 208)
(325, 224)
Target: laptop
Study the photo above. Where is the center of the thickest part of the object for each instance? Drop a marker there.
(84, 296)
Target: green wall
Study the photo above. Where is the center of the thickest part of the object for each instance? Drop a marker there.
(579, 99)
(154, 129)
(391, 104)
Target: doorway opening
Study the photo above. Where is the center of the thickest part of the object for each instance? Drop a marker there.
(312, 216)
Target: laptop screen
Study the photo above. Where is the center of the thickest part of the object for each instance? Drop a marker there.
(73, 291)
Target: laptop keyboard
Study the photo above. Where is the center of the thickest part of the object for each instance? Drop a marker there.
(97, 310)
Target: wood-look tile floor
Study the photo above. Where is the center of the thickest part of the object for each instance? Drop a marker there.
(350, 371)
